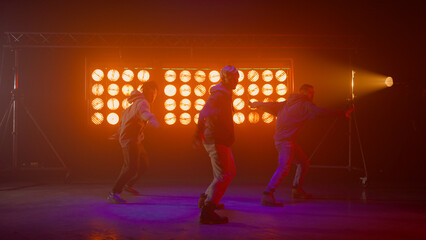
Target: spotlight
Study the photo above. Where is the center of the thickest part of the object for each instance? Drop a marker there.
(239, 90)
(128, 75)
(97, 89)
(281, 75)
(253, 76)
(196, 118)
(170, 104)
(125, 104)
(199, 104)
(238, 103)
(214, 76)
(200, 90)
(185, 118)
(185, 76)
(170, 90)
(200, 76)
(113, 75)
(185, 104)
(239, 118)
(253, 117)
(97, 75)
(97, 118)
(389, 82)
(241, 77)
(170, 118)
(143, 75)
(113, 89)
(113, 118)
(267, 75)
(253, 89)
(127, 89)
(170, 76)
(97, 104)
(281, 89)
(185, 90)
(267, 89)
(267, 117)
(113, 103)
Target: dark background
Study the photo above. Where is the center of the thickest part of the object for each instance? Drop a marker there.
(391, 120)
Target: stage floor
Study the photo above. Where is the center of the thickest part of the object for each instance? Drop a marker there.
(169, 211)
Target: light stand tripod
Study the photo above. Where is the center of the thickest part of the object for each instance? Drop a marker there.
(353, 121)
(15, 103)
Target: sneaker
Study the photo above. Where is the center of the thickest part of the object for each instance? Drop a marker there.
(297, 192)
(268, 200)
(132, 190)
(208, 215)
(203, 198)
(115, 198)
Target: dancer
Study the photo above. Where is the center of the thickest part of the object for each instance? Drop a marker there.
(216, 132)
(291, 116)
(133, 122)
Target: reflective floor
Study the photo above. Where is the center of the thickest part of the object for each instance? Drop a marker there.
(164, 211)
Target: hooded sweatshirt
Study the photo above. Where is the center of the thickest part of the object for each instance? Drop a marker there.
(215, 120)
(134, 119)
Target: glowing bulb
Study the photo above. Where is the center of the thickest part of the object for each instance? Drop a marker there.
(113, 103)
(113, 75)
(239, 90)
(241, 77)
(214, 76)
(267, 75)
(238, 103)
(170, 104)
(268, 100)
(196, 118)
(200, 90)
(267, 89)
(252, 101)
(113, 118)
(113, 89)
(253, 89)
(97, 75)
(253, 117)
(185, 118)
(185, 104)
(238, 118)
(143, 75)
(127, 89)
(199, 104)
(389, 82)
(97, 89)
(267, 117)
(185, 76)
(97, 104)
(170, 75)
(200, 76)
(128, 75)
(170, 90)
(170, 118)
(281, 89)
(185, 90)
(281, 75)
(253, 76)
(125, 104)
(97, 118)
(281, 99)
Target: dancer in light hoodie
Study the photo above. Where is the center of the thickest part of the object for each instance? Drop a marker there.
(216, 132)
(133, 122)
(291, 116)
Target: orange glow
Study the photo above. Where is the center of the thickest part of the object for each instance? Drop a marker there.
(238, 118)
(253, 75)
(143, 75)
(185, 90)
(241, 77)
(185, 76)
(238, 103)
(267, 117)
(281, 75)
(281, 89)
(128, 75)
(185, 104)
(199, 104)
(253, 117)
(239, 90)
(267, 89)
(113, 89)
(268, 100)
(125, 104)
(127, 89)
(389, 82)
(281, 99)
(196, 118)
(200, 76)
(170, 118)
(113, 118)
(253, 89)
(185, 118)
(170, 75)
(97, 104)
(97, 75)
(97, 89)
(113, 103)
(200, 90)
(214, 76)
(267, 75)
(252, 101)
(97, 118)
(170, 90)
(170, 104)
(113, 75)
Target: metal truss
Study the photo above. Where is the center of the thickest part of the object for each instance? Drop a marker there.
(139, 40)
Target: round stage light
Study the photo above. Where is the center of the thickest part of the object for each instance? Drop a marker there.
(128, 75)
(239, 90)
(196, 118)
(170, 118)
(170, 75)
(170, 90)
(185, 104)
(238, 103)
(113, 103)
(200, 76)
(200, 90)
(214, 76)
(113, 75)
(97, 75)
(389, 82)
(267, 117)
(241, 77)
(125, 104)
(199, 104)
(143, 75)
(127, 89)
(113, 118)
(185, 76)
(185, 90)
(97, 104)
(253, 89)
(238, 118)
(281, 75)
(268, 100)
(281, 99)
(281, 89)
(170, 104)
(97, 118)
(97, 89)
(113, 89)
(267, 89)
(253, 75)
(253, 117)
(252, 101)
(267, 75)
(185, 118)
